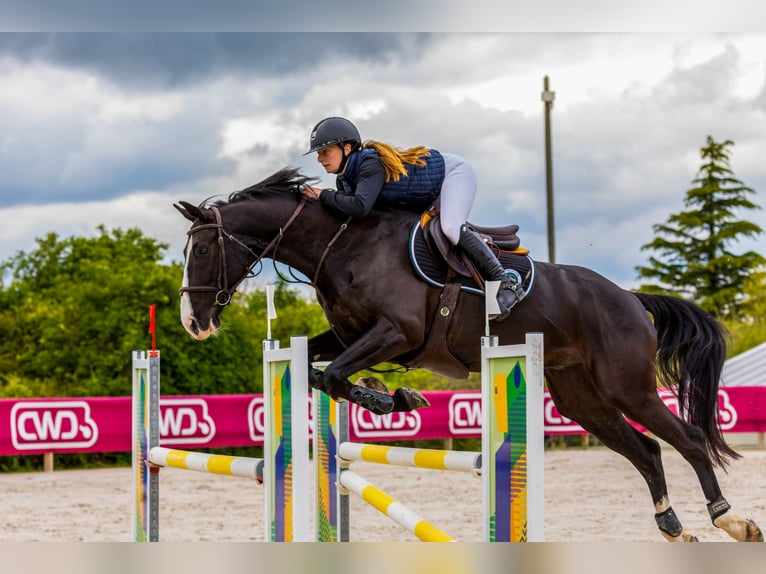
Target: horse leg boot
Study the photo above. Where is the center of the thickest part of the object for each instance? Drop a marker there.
(510, 292)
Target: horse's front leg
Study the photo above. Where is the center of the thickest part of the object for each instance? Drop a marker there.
(325, 347)
(377, 345)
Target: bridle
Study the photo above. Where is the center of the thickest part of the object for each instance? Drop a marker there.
(223, 292)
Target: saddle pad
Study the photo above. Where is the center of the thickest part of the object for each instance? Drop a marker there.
(433, 270)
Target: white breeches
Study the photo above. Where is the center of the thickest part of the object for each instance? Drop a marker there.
(457, 195)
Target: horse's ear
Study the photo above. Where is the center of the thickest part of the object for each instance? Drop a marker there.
(189, 211)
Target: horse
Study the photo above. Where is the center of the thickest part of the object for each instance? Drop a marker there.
(605, 348)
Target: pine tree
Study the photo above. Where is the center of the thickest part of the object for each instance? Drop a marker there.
(694, 257)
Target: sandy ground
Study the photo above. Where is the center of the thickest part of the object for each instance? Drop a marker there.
(590, 495)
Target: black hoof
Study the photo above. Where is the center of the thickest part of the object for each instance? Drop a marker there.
(408, 399)
(373, 401)
(372, 383)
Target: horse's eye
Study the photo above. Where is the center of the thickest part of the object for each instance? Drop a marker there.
(201, 250)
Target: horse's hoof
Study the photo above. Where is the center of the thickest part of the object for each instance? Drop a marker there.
(754, 533)
(683, 537)
(372, 383)
(408, 399)
(373, 401)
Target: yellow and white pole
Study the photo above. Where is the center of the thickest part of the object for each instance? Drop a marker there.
(240, 466)
(395, 510)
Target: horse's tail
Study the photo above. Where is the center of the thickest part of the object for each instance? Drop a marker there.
(691, 350)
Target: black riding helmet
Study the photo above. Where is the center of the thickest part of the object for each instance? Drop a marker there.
(331, 131)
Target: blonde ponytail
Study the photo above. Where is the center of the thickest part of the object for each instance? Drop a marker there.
(394, 159)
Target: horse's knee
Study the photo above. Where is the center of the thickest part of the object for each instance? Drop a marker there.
(317, 380)
(327, 382)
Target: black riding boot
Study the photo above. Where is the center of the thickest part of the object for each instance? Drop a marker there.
(510, 291)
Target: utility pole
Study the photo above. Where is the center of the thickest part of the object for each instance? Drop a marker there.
(548, 96)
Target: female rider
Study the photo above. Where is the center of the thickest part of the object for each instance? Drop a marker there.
(373, 173)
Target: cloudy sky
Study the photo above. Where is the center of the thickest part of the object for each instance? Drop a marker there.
(112, 128)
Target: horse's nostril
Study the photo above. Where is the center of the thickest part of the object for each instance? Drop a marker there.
(194, 326)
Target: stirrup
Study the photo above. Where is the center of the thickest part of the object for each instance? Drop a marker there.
(516, 290)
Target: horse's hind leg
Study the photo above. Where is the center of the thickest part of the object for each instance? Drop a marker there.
(689, 441)
(576, 399)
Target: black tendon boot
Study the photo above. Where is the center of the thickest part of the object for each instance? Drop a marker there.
(510, 291)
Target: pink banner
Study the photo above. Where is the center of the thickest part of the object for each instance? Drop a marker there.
(36, 426)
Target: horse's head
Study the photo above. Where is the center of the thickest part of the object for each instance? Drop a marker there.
(216, 262)
(223, 240)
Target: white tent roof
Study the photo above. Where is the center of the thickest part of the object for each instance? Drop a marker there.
(747, 369)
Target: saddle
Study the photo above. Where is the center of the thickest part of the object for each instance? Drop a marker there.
(440, 264)
(501, 238)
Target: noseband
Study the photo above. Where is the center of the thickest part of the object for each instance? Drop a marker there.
(223, 292)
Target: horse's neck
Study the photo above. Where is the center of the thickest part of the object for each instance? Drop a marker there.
(304, 242)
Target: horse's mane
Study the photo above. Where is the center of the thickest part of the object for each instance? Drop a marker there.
(286, 180)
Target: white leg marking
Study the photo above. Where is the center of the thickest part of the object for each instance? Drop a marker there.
(186, 308)
(740, 529)
(662, 505)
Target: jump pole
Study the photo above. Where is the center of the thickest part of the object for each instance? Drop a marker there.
(284, 469)
(510, 465)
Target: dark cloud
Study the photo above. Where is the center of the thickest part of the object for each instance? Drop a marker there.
(145, 59)
(71, 164)
(222, 15)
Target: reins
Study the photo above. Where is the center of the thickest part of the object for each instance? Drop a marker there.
(332, 241)
(223, 292)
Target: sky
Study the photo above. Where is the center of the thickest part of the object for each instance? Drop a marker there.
(111, 128)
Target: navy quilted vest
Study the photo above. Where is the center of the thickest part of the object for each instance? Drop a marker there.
(419, 189)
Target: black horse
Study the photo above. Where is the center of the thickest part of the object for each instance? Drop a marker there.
(603, 352)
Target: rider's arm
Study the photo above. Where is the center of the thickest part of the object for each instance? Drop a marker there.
(368, 185)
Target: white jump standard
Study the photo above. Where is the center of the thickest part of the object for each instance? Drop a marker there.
(510, 464)
(283, 470)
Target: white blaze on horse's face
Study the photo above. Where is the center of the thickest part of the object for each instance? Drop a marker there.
(188, 320)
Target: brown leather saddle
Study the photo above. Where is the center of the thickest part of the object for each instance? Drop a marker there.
(500, 238)
(437, 262)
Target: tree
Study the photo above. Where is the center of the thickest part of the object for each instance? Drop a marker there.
(694, 247)
(748, 330)
(75, 308)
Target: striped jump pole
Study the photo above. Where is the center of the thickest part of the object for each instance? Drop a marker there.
(241, 466)
(396, 511)
(284, 469)
(415, 457)
(510, 464)
(334, 481)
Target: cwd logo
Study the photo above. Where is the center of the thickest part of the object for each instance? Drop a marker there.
(185, 421)
(256, 419)
(52, 424)
(465, 413)
(727, 413)
(368, 425)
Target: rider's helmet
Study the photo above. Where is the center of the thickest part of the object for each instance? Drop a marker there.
(331, 131)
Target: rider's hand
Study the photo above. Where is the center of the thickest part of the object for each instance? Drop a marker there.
(311, 192)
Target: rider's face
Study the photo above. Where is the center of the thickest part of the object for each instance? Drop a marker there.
(331, 158)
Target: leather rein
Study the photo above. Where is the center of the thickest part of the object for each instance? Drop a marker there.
(224, 292)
